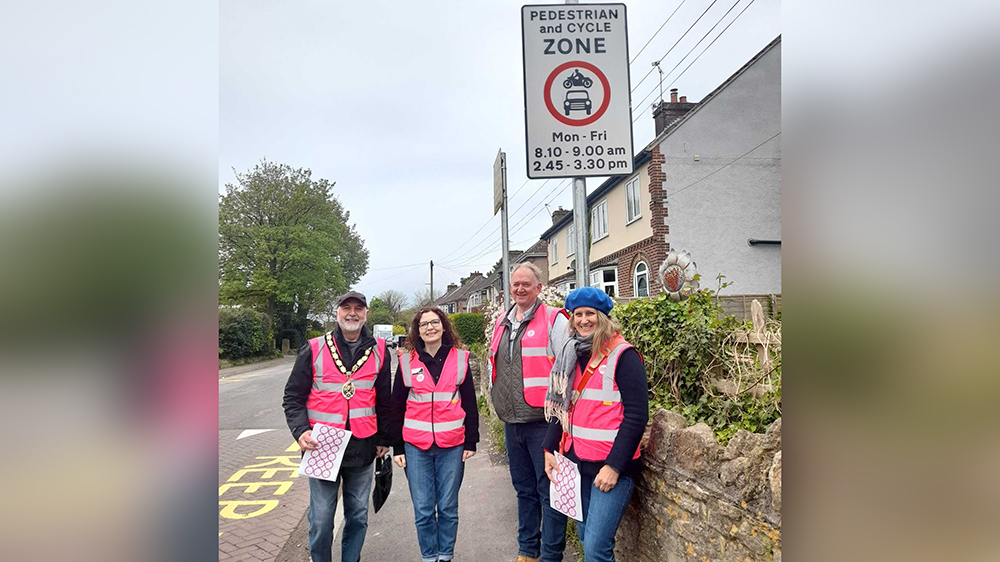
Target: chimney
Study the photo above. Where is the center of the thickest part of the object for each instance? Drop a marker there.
(452, 287)
(475, 274)
(558, 214)
(665, 113)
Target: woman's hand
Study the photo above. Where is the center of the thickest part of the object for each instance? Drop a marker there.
(467, 454)
(606, 479)
(400, 460)
(551, 466)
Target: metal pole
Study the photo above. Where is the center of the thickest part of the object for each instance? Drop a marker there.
(505, 244)
(432, 281)
(580, 216)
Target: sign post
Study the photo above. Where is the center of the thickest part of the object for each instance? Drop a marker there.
(500, 202)
(577, 104)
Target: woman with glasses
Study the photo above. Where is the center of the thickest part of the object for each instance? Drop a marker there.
(434, 426)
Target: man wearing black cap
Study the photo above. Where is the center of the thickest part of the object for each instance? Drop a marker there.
(342, 379)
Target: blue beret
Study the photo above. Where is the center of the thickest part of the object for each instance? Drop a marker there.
(589, 296)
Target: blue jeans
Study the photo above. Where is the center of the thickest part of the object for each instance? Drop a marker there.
(603, 512)
(435, 476)
(541, 530)
(323, 504)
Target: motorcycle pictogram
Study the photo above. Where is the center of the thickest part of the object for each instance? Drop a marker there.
(577, 79)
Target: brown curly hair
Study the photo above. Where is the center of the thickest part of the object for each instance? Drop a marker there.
(448, 336)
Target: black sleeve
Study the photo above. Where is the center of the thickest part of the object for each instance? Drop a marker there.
(383, 390)
(553, 436)
(468, 391)
(630, 376)
(297, 391)
(397, 411)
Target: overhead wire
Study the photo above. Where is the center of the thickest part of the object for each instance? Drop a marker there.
(636, 87)
(720, 168)
(631, 62)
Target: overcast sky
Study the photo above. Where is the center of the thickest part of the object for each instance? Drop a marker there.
(404, 106)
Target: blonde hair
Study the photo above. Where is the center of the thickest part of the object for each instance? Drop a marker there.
(607, 328)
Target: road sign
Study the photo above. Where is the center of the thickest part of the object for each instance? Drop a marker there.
(498, 166)
(577, 105)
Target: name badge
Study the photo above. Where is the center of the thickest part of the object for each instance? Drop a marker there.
(416, 370)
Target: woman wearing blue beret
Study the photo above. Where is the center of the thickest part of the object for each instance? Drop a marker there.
(597, 406)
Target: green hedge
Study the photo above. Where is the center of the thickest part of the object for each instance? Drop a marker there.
(313, 334)
(243, 333)
(469, 327)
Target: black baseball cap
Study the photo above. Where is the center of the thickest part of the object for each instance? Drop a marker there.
(352, 295)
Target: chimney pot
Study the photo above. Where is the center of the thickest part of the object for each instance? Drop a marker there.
(673, 95)
(684, 99)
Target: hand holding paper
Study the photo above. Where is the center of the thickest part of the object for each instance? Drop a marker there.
(324, 460)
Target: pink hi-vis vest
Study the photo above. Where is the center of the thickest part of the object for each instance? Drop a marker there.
(326, 402)
(434, 412)
(598, 413)
(536, 363)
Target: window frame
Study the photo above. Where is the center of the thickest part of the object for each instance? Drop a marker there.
(554, 250)
(635, 279)
(637, 196)
(597, 211)
(601, 284)
(570, 240)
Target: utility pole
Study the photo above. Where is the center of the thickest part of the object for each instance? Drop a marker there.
(580, 223)
(432, 281)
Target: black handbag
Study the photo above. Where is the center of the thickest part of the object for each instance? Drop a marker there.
(383, 481)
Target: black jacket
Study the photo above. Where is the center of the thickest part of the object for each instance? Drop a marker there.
(359, 451)
(467, 390)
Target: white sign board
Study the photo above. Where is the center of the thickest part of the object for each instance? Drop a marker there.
(498, 166)
(577, 104)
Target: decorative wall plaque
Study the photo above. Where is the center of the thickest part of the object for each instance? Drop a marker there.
(678, 275)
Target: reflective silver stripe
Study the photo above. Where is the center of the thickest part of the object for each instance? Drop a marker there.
(328, 386)
(535, 352)
(601, 395)
(361, 412)
(463, 358)
(608, 383)
(428, 426)
(531, 382)
(364, 384)
(325, 417)
(432, 396)
(594, 434)
(404, 367)
(378, 356)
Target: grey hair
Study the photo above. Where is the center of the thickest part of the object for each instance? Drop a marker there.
(531, 267)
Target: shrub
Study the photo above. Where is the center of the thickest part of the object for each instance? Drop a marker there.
(243, 333)
(687, 347)
(469, 327)
(313, 334)
(398, 330)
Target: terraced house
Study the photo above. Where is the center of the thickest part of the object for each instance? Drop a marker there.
(709, 183)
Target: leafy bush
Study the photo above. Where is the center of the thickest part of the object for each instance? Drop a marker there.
(313, 334)
(469, 327)
(688, 347)
(398, 330)
(243, 333)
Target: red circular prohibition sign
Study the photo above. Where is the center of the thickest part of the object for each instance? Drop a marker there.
(577, 122)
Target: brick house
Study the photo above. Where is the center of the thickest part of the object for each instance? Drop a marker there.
(709, 183)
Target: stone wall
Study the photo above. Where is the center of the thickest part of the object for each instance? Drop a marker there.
(698, 500)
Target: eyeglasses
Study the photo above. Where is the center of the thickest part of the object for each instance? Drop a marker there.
(430, 323)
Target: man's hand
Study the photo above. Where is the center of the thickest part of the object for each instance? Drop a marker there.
(306, 441)
(400, 460)
(466, 455)
(551, 466)
(606, 479)
(380, 450)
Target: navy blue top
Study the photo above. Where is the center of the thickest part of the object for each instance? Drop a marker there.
(630, 376)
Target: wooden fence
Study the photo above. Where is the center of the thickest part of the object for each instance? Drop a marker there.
(739, 305)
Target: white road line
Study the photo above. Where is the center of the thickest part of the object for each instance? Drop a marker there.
(252, 432)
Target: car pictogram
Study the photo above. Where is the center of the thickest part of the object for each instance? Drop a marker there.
(577, 100)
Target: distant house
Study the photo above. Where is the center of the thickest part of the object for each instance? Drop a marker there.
(476, 291)
(708, 184)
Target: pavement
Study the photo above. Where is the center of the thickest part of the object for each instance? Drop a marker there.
(263, 501)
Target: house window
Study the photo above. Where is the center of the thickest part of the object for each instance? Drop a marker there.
(641, 280)
(606, 279)
(570, 240)
(474, 300)
(633, 201)
(599, 221)
(568, 286)
(553, 251)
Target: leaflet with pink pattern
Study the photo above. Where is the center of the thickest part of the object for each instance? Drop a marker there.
(564, 489)
(323, 462)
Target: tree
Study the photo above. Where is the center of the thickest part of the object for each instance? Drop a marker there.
(424, 298)
(378, 313)
(395, 301)
(285, 246)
